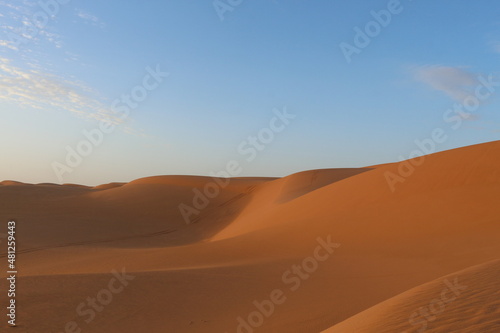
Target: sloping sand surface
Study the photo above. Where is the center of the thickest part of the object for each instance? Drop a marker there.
(465, 301)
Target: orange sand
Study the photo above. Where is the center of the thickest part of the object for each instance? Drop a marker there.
(395, 250)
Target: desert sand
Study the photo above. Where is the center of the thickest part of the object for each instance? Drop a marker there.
(333, 250)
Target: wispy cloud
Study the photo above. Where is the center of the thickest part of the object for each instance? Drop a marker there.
(27, 69)
(8, 44)
(20, 29)
(37, 89)
(455, 82)
(90, 18)
(13, 5)
(53, 38)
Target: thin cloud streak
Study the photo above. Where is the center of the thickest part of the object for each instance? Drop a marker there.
(41, 90)
(452, 81)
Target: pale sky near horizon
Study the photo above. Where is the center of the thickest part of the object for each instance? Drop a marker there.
(232, 66)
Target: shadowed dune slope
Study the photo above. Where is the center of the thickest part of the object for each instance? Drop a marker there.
(270, 195)
(119, 214)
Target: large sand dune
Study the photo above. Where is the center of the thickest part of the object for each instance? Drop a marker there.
(336, 249)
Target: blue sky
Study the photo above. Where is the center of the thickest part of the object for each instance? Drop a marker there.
(230, 64)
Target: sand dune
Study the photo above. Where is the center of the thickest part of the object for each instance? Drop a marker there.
(205, 275)
(10, 183)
